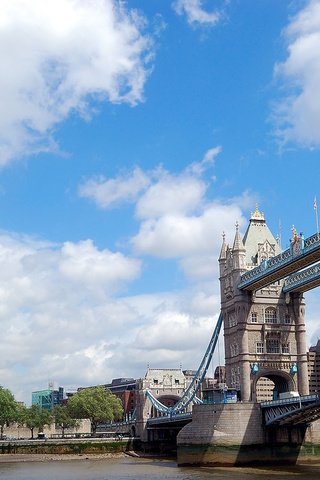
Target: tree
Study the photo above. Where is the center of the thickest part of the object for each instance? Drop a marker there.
(37, 417)
(8, 409)
(63, 418)
(97, 404)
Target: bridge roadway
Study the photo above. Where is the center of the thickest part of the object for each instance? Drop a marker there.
(285, 264)
(176, 420)
(292, 411)
(303, 281)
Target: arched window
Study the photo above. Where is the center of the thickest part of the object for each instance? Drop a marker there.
(270, 315)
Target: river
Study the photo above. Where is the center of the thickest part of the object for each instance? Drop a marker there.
(129, 468)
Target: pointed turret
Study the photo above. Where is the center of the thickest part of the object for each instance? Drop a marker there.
(223, 250)
(238, 243)
(223, 255)
(238, 251)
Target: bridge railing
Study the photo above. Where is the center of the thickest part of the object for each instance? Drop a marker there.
(286, 401)
(278, 261)
(302, 278)
(170, 418)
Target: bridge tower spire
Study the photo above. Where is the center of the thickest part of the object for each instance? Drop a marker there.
(264, 330)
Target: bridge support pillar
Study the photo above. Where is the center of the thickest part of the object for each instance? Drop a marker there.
(302, 360)
(234, 434)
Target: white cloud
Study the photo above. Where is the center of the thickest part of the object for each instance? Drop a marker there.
(177, 194)
(83, 264)
(177, 235)
(109, 192)
(208, 160)
(55, 57)
(59, 311)
(195, 13)
(297, 116)
(176, 219)
(155, 192)
(65, 315)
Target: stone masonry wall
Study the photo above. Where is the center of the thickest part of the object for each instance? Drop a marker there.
(234, 423)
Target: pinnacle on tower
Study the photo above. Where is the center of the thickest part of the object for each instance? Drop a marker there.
(257, 215)
(223, 251)
(238, 243)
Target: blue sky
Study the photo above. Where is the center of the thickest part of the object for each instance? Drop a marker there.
(132, 135)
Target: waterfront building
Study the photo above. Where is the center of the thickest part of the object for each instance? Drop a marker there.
(314, 368)
(49, 398)
(125, 390)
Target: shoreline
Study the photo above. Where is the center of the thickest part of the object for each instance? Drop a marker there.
(54, 457)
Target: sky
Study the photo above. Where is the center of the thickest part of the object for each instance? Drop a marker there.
(132, 135)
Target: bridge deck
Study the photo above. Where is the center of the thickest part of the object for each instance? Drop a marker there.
(282, 265)
(303, 281)
(293, 411)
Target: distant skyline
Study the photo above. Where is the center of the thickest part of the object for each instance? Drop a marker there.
(132, 135)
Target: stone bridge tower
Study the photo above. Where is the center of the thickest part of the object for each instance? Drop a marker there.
(264, 330)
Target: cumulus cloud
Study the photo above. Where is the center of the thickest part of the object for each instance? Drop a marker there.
(175, 235)
(59, 309)
(297, 115)
(56, 57)
(195, 13)
(189, 316)
(177, 221)
(65, 309)
(82, 263)
(107, 193)
(155, 191)
(177, 194)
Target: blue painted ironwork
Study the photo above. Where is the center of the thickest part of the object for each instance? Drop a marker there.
(157, 404)
(294, 369)
(178, 417)
(190, 394)
(286, 258)
(303, 280)
(254, 368)
(291, 410)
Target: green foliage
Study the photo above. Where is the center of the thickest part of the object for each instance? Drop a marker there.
(63, 418)
(37, 417)
(8, 409)
(97, 404)
(21, 414)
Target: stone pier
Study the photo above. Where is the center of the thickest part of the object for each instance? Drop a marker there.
(233, 434)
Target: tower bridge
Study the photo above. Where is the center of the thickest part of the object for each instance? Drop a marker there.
(262, 314)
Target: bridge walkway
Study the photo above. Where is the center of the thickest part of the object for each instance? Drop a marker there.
(293, 411)
(282, 265)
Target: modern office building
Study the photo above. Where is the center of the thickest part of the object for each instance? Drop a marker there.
(314, 368)
(48, 399)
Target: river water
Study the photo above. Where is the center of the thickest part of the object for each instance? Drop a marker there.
(129, 468)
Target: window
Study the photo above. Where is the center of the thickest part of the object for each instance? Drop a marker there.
(285, 348)
(176, 381)
(287, 318)
(232, 320)
(155, 381)
(234, 350)
(270, 315)
(273, 346)
(235, 377)
(259, 347)
(254, 317)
